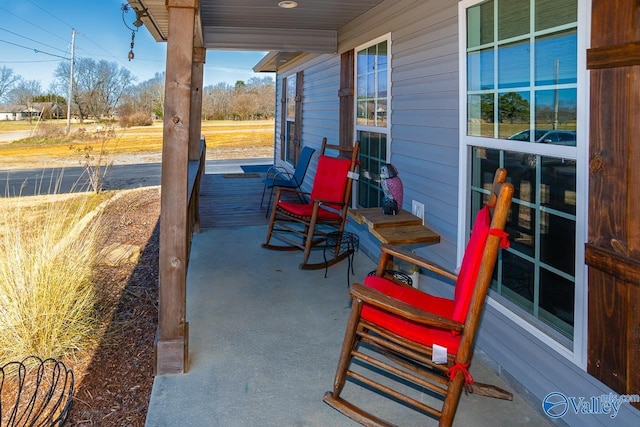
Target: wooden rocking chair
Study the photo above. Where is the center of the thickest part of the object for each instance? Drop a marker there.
(393, 329)
(302, 226)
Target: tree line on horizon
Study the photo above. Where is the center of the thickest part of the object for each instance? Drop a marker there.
(103, 90)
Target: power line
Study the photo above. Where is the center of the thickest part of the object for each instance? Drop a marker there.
(30, 39)
(30, 61)
(78, 33)
(33, 49)
(34, 24)
(51, 14)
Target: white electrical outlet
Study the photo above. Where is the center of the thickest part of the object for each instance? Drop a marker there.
(417, 209)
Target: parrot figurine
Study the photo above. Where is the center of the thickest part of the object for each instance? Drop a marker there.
(392, 189)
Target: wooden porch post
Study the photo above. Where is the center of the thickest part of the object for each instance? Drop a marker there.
(172, 337)
(197, 79)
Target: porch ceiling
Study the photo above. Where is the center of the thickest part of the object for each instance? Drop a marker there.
(260, 24)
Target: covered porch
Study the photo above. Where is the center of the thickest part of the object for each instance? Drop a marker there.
(265, 335)
(430, 135)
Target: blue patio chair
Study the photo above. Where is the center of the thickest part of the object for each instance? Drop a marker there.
(280, 177)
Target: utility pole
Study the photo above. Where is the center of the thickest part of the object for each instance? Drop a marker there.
(73, 52)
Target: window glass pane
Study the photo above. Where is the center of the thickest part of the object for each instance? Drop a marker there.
(480, 70)
(382, 56)
(372, 108)
(557, 109)
(291, 148)
(557, 235)
(557, 58)
(480, 24)
(381, 113)
(361, 62)
(514, 112)
(382, 85)
(518, 280)
(362, 113)
(291, 97)
(372, 155)
(362, 86)
(371, 60)
(558, 189)
(557, 302)
(513, 18)
(541, 227)
(372, 85)
(480, 112)
(551, 13)
(513, 65)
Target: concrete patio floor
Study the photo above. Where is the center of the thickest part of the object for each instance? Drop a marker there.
(264, 336)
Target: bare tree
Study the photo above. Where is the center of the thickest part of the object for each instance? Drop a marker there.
(244, 105)
(24, 93)
(250, 100)
(265, 90)
(150, 95)
(97, 87)
(216, 102)
(7, 81)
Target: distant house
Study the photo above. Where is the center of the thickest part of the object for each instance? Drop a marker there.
(17, 112)
(45, 110)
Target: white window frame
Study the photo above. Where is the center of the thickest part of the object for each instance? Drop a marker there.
(379, 129)
(577, 354)
(364, 128)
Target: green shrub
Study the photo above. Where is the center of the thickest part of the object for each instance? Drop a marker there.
(47, 300)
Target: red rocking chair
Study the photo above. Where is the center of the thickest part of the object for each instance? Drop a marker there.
(401, 326)
(302, 226)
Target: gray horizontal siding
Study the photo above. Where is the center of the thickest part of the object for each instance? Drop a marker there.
(321, 104)
(542, 372)
(425, 149)
(424, 111)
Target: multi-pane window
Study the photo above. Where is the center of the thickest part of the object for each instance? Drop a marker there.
(522, 114)
(372, 107)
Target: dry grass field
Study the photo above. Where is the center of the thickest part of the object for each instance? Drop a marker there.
(110, 347)
(47, 146)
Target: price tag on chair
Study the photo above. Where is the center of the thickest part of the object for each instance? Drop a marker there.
(439, 354)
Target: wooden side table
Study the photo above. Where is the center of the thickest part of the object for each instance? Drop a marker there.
(402, 229)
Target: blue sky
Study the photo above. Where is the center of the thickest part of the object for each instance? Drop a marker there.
(35, 35)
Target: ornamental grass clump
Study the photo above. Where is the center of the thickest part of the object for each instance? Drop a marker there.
(47, 300)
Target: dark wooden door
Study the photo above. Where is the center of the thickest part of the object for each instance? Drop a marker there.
(613, 248)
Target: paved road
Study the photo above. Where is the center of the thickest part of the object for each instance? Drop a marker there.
(56, 180)
(43, 181)
(14, 135)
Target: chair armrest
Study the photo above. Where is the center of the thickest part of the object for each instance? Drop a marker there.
(282, 174)
(290, 190)
(275, 170)
(404, 254)
(384, 302)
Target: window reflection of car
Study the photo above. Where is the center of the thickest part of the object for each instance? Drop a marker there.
(542, 136)
(558, 137)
